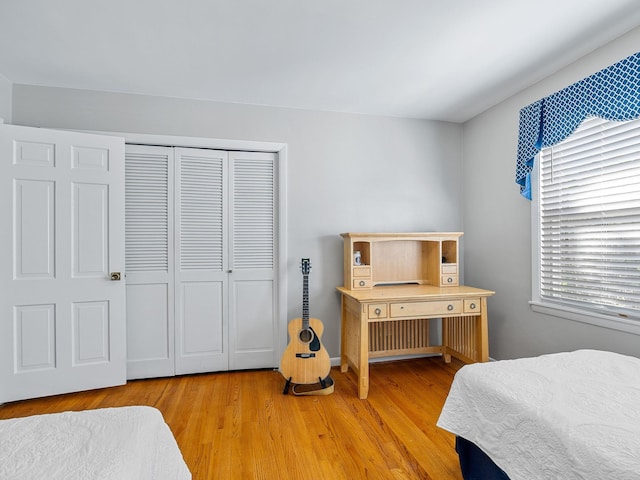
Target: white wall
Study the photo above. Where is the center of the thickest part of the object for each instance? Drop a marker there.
(345, 172)
(497, 225)
(5, 99)
(364, 173)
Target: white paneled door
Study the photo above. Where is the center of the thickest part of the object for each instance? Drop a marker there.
(62, 307)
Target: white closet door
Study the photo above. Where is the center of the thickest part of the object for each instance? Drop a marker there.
(201, 289)
(62, 318)
(150, 261)
(202, 311)
(252, 326)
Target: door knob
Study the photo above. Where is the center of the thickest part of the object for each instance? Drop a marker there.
(115, 276)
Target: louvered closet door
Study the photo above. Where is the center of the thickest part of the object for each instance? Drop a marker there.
(149, 260)
(202, 311)
(252, 237)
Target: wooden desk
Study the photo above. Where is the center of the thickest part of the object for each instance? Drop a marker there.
(393, 320)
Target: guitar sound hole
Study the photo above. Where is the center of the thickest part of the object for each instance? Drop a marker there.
(305, 336)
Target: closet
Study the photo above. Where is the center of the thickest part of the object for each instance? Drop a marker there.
(201, 229)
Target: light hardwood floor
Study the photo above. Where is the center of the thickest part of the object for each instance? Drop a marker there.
(239, 425)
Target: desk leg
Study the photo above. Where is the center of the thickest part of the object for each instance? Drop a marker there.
(445, 340)
(482, 333)
(344, 359)
(363, 357)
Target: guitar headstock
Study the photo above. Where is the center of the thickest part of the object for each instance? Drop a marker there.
(305, 266)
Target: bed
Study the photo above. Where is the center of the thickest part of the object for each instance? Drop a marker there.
(110, 443)
(572, 415)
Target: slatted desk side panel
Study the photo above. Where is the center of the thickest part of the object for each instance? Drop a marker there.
(459, 337)
(400, 337)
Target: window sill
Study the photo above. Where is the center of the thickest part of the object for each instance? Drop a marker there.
(614, 323)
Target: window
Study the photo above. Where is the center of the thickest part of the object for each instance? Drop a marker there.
(586, 224)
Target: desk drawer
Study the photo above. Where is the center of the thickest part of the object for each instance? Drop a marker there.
(417, 309)
(361, 283)
(449, 268)
(472, 305)
(363, 271)
(378, 310)
(450, 280)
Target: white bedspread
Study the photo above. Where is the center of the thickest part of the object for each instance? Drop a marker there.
(563, 416)
(111, 443)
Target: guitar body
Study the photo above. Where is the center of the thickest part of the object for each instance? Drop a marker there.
(300, 362)
(305, 360)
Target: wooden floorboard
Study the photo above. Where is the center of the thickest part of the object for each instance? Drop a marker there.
(239, 425)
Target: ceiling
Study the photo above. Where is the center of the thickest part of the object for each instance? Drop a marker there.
(433, 59)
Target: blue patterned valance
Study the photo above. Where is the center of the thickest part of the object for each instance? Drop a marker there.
(612, 94)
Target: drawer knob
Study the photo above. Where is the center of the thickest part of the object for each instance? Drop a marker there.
(473, 306)
(450, 280)
(377, 311)
(449, 307)
(362, 283)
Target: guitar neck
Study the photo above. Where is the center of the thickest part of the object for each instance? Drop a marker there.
(305, 302)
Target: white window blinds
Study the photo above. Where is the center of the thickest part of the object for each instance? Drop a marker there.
(590, 219)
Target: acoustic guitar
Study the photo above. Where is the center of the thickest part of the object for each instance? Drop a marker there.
(305, 360)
